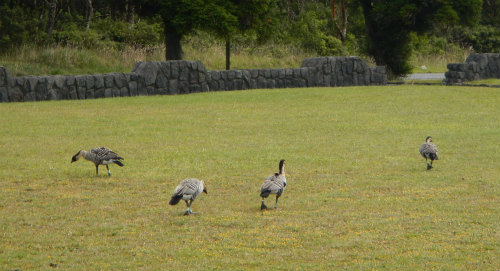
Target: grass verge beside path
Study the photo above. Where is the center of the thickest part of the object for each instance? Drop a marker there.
(358, 195)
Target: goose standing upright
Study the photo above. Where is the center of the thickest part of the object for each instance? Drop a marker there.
(188, 190)
(99, 156)
(429, 151)
(274, 184)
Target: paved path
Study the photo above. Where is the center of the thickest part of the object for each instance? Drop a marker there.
(425, 76)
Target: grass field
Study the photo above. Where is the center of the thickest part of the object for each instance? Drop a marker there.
(358, 194)
(35, 60)
(32, 60)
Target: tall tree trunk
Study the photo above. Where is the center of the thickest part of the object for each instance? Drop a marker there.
(172, 43)
(370, 25)
(343, 27)
(387, 48)
(289, 10)
(228, 54)
(341, 23)
(130, 13)
(52, 16)
(90, 14)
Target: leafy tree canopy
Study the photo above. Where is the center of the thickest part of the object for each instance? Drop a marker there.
(389, 24)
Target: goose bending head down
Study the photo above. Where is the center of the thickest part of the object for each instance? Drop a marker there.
(188, 190)
(99, 156)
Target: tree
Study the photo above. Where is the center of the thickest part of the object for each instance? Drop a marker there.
(341, 23)
(51, 16)
(389, 24)
(254, 17)
(181, 17)
(130, 8)
(89, 14)
(490, 11)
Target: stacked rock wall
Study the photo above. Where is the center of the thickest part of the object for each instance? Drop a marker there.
(4, 76)
(178, 77)
(172, 77)
(61, 87)
(345, 71)
(259, 78)
(182, 77)
(476, 67)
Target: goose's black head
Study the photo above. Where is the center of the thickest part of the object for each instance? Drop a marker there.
(204, 188)
(428, 139)
(282, 163)
(76, 157)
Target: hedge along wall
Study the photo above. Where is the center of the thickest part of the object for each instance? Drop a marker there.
(182, 77)
(476, 67)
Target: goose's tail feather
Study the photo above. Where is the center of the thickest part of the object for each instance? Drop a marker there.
(265, 193)
(175, 199)
(118, 163)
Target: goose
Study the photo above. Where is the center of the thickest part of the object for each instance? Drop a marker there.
(188, 190)
(274, 184)
(429, 151)
(99, 156)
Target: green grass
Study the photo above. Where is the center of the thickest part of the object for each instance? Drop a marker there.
(490, 81)
(358, 194)
(437, 63)
(31, 60)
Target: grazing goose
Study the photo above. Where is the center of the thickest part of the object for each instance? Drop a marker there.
(429, 151)
(188, 190)
(274, 184)
(99, 156)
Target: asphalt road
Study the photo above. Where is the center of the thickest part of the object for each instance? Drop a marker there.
(425, 76)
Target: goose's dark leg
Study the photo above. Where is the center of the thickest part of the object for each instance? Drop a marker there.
(262, 205)
(427, 163)
(96, 170)
(276, 204)
(188, 204)
(189, 207)
(109, 172)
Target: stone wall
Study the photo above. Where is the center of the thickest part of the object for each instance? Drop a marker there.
(172, 77)
(182, 77)
(476, 67)
(4, 94)
(39, 88)
(314, 72)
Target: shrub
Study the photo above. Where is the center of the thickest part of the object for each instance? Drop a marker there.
(482, 39)
(430, 44)
(79, 39)
(145, 34)
(311, 32)
(108, 33)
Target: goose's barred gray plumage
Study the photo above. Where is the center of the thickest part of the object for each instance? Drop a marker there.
(429, 151)
(188, 190)
(274, 184)
(99, 156)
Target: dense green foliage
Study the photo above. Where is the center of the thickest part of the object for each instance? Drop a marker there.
(384, 30)
(389, 25)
